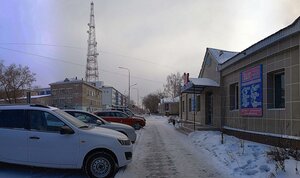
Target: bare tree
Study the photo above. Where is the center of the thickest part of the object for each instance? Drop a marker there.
(13, 80)
(172, 88)
(161, 94)
(151, 102)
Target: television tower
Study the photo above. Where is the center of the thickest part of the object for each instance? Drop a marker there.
(92, 73)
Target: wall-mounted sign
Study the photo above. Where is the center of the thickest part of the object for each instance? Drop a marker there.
(251, 92)
(193, 103)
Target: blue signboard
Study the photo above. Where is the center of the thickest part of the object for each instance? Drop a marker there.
(251, 92)
(193, 104)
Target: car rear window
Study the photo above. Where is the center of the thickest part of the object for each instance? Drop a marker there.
(12, 119)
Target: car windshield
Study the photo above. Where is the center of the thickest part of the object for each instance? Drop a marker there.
(71, 119)
(129, 112)
(100, 119)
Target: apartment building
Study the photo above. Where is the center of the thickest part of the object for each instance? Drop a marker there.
(76, 94)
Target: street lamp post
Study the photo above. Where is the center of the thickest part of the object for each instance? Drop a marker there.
(137, 95)
(128, 83)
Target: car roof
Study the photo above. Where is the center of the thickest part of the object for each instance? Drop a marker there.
(109, 111)
(75, 110)
(26, 106)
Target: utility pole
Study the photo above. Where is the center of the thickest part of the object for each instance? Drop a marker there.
(91, 72)
(128, 104)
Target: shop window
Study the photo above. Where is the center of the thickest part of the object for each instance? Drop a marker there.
(198, 103)
(190, 104)
(276, 89)
(208, 61)
(234, 96)
(167, 107)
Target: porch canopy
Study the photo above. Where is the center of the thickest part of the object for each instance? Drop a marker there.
(197, 85)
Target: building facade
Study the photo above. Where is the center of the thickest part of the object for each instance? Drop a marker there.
(253, 92)
(76, 94)
(112, 97)
(169, 106)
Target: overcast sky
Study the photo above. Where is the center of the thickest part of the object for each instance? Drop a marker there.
(152, 38)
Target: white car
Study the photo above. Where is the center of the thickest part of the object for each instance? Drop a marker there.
(44, 136)
(90, 118)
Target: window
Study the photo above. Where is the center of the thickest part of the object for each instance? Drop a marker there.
(12, 119)
(44, 121)
(190, 104)
(182, 107)
(198, 103)
(208, 61)
(234, 96)
(84, 117)
(120, 114)
(276, 89)
(167, 107)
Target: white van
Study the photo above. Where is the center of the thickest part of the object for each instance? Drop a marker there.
(44, 136)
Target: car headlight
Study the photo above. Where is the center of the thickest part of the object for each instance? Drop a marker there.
(124, 142)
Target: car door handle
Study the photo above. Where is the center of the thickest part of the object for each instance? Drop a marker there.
(35, 138)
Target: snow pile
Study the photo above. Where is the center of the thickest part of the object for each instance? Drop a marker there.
(242, 158)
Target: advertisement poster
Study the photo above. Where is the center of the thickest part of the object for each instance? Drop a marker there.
(251, 92)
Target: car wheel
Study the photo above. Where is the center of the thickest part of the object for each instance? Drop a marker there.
(101, 165)
(137, 126)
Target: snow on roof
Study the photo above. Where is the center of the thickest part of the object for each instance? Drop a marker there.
(74, 81)
(221, 55)
(170, 100)
(35, 96)
(204, 82)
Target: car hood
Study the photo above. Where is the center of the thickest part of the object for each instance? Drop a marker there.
(139, 117)
(117, 125)
(107, 132)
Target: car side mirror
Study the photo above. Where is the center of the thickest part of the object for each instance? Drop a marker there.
(98, 122)
(66, 130)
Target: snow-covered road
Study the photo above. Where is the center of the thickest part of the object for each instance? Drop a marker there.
(161, 151)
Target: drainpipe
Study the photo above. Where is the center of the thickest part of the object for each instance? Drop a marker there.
(180, 104)
(194, 109)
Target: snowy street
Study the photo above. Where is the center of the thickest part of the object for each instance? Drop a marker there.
(162, 151)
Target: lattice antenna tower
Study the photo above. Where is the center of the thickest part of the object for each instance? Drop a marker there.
(92, 73)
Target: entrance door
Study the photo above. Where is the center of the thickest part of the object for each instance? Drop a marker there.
(208, 108)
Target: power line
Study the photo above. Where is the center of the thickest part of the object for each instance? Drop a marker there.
(81, 48)
(68, 62)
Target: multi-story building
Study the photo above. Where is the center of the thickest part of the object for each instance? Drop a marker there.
(254, 94)
(76, 94)
(112, 97)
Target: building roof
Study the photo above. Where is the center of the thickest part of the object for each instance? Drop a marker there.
(170, 100)
(73, 81)
(220, 55)
(281, 34)
(36, 96)
(197, 85)
(204, 82)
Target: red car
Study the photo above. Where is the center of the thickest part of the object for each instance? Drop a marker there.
(121, 117)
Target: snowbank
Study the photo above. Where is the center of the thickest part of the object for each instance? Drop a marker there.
(241, 158)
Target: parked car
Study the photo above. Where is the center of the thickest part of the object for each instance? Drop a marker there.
(90, 118)
(121, 117)
(43, 136)
(128, 112)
